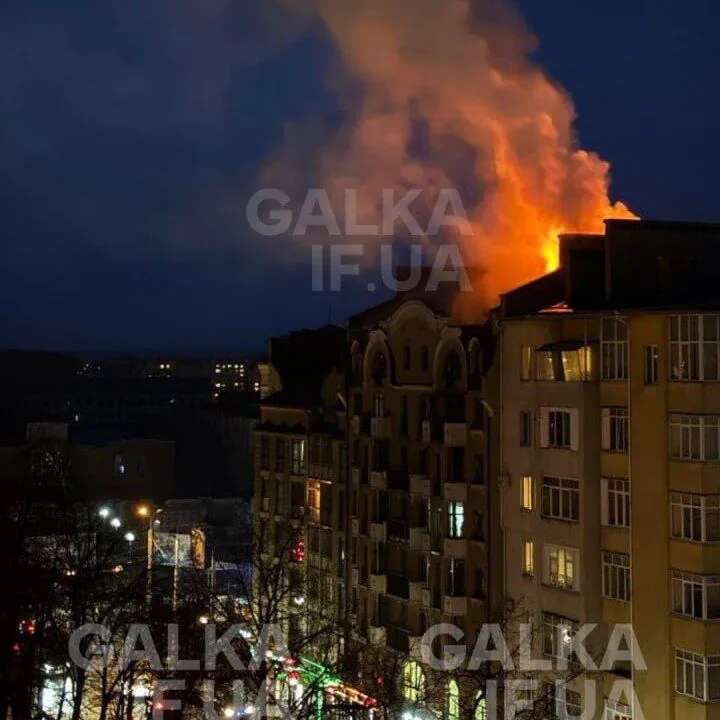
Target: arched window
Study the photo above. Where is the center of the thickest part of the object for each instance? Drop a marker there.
(413, 682)
(453, 701)
(480, 706)
(379, 367)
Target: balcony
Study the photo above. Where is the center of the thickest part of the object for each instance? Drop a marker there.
(378, 479)
(378, 583)
(420, 485)
(455, 491)
(455, 548)
(417, 590)
(455, 605)
(377, 635)
(420, 539)
(398, 531)
(455, 434)
(380, 428)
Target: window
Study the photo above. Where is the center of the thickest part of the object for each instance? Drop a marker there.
(280, 455)
(565, 704)
(615, 502)
(697, 676)
(614, 349)
(694, 347)
(526, 362)
(379, 405)
(546, 366)
(696, 596)
(526, 429)
(617, 711)
(564, 365)
(455, 578)
(298, 457)
(480, 706)
(561, 499)
(413, 682)
(695, 517)
(695, 437)
(265, 452)
(569, 706)
(557, 632)
(561, 567)
(527, 494)
(559, 428)
(652, 358)
(456, 518)
(528, 558)
(616, 576)
(453, 701)
(615, 429)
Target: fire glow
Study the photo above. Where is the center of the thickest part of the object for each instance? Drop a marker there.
(452, 98)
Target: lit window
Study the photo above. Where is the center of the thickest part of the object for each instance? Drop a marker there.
(413, 682)
(456, 517)
(528, 558)
(298, 457)
(561, 567)
(453, 701)
(527, 497)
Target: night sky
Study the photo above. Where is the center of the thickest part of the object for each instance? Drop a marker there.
(132, 132)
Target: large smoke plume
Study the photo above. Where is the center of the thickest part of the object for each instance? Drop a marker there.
(446, 94)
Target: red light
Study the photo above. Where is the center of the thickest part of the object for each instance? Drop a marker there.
(17, 647)
(298, 551)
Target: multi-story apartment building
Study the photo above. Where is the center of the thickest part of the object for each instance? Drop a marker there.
(609, 459)
(301, 467)
(421, 444)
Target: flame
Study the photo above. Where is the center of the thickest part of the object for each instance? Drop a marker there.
(452, 98)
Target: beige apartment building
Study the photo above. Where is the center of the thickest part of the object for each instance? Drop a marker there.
(609, 460)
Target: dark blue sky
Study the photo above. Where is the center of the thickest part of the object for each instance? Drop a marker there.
(131, 131)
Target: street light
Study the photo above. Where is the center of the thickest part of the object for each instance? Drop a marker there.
(130, 536)
(115, 522)
(142, 510)
(103, 512)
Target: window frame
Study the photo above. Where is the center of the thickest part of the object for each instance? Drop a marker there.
(619, 498)
(616, 570)
(615, 349)
(568, 498)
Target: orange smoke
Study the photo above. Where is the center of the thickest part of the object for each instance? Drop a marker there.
(450, 97)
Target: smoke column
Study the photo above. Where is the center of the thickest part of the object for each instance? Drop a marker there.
(450, 97)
